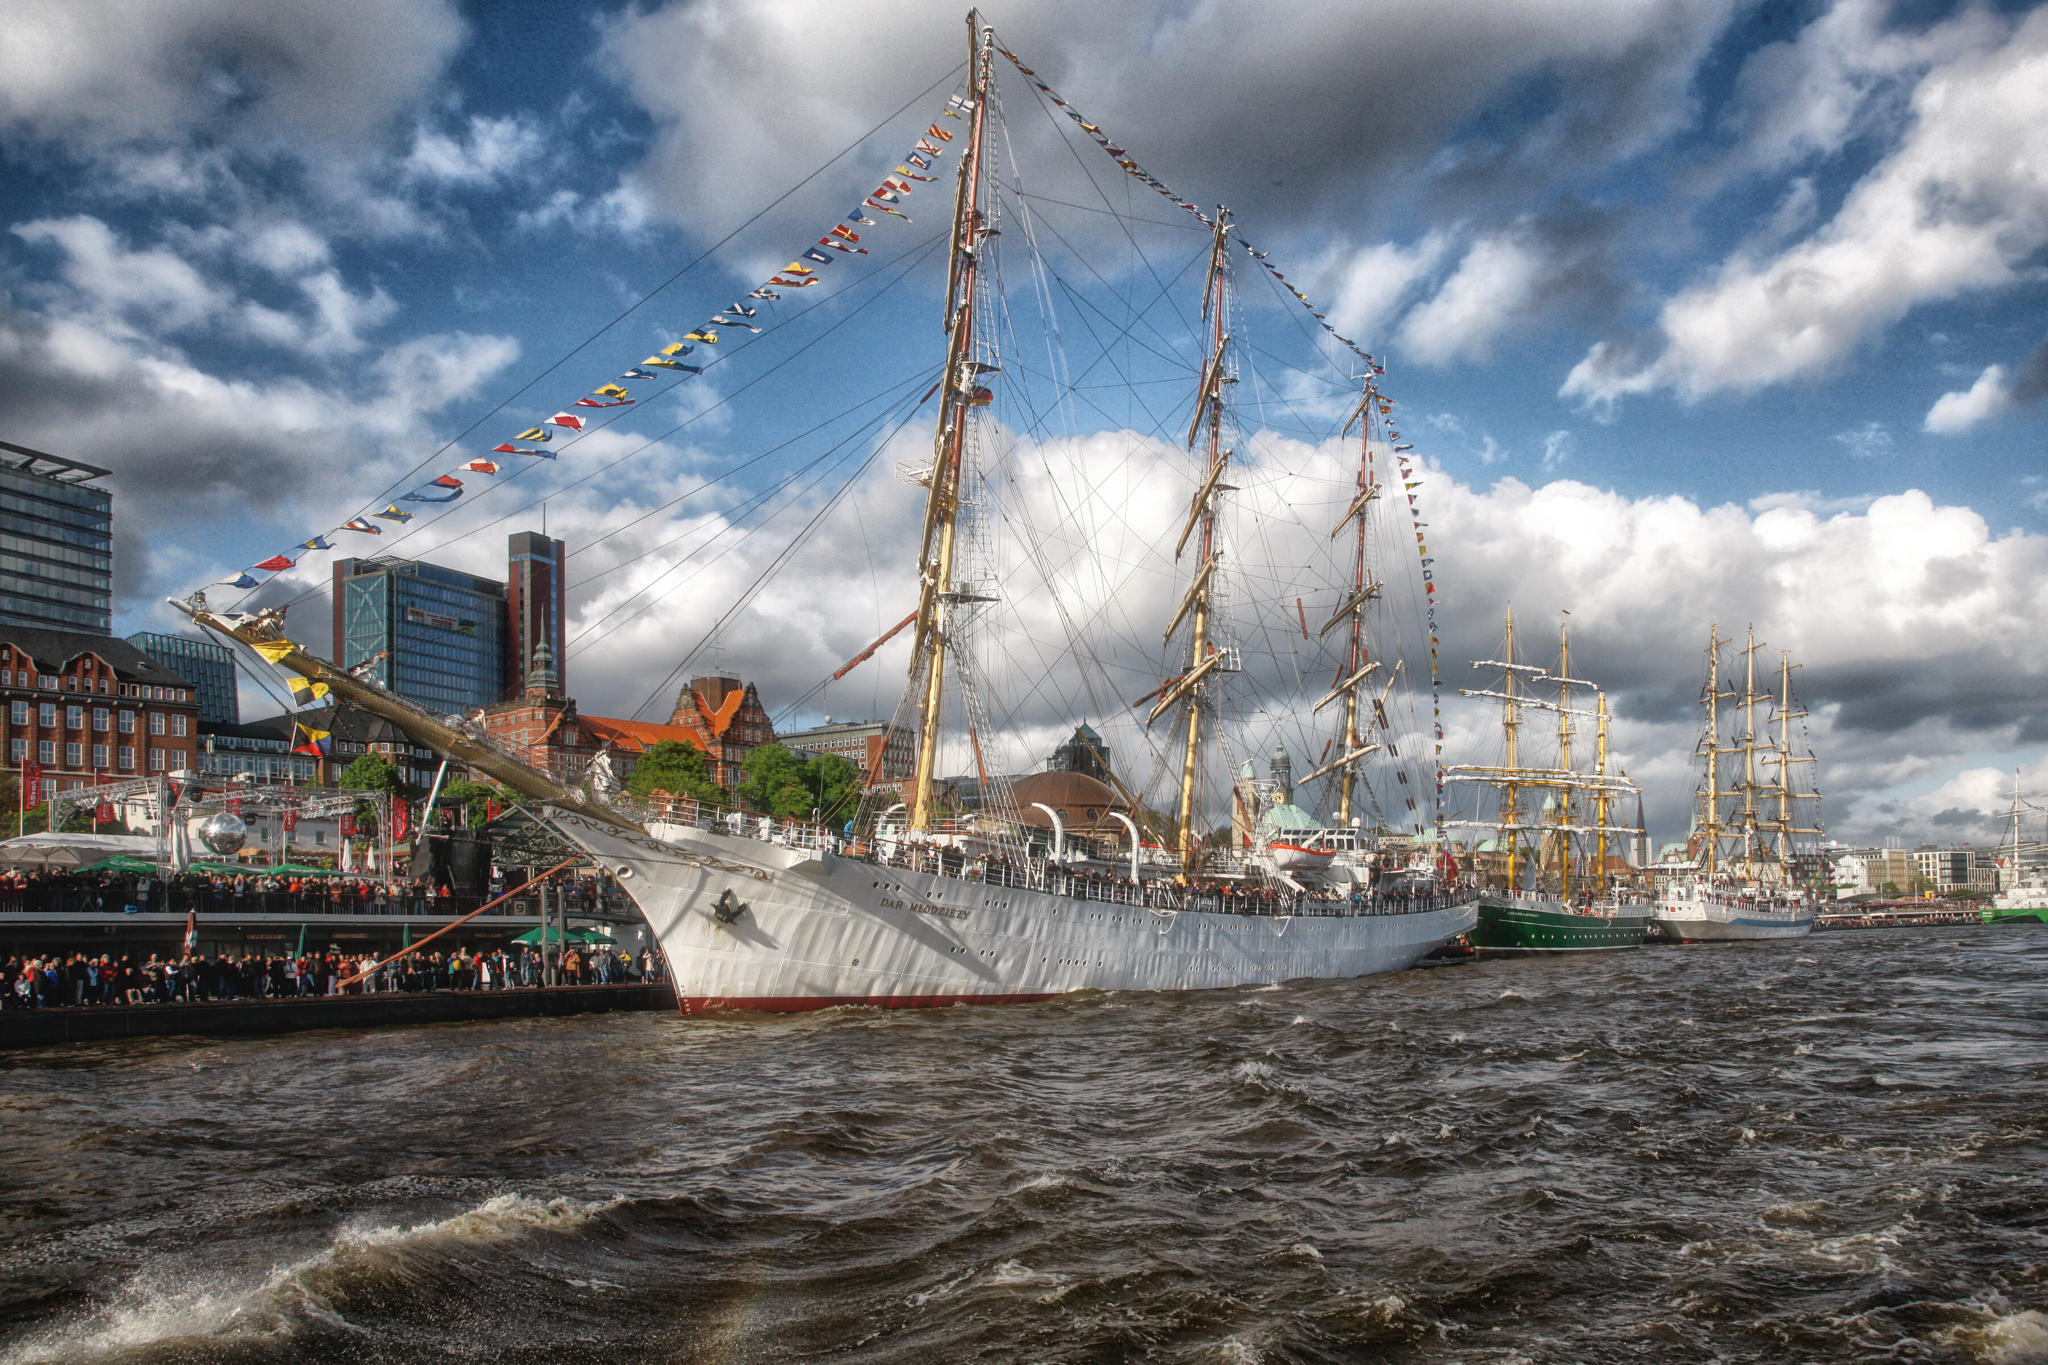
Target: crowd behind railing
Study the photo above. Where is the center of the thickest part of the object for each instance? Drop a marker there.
(42, 891)
(84, 979)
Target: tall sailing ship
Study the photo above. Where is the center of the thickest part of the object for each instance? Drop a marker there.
(922, 901)
(1553, 890)
(2022, 895)
(1740, 881)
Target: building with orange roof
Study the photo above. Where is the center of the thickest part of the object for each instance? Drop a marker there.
(721, 716)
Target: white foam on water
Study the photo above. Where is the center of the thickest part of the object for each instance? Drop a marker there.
(1251, 1071)
(1046, 1181)
(1443, 1132)
(1238, 1351)
(1802, 1049)
(1015, 1274)
(1809, 961)
(1304, 1249)
(1512, 994)
(1299, 1019)
(2014, 1339)
(150, 1312)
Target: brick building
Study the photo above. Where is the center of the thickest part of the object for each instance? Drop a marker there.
(721, 716)
(90, 708)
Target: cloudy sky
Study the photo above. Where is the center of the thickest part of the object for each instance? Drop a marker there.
(1696, 310)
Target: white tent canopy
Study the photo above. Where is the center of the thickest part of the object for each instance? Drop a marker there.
(74, 850)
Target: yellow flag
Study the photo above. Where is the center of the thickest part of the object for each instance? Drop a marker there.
(611, 391)
(275, 650)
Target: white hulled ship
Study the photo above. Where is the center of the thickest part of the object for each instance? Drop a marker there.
(1739, 880)
(922, 901)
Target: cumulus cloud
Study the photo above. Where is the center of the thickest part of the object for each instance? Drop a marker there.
(1995, 392)
(94, 73)
(1150, 72)
(1960, 206)
(1841, 76)
(1507, 278)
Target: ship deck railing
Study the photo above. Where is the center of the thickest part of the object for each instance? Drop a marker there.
(1084, 884)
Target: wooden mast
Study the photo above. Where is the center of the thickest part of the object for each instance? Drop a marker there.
(1749, 835)
(942, 501)
(1359, 665)
(1510, 805)
(1600, 800)
(1710, 813)
(1564, 758)
(1203, 658)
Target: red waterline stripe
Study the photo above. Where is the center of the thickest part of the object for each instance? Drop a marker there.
(786, 1004)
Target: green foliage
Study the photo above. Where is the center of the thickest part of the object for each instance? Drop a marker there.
(835, 787)
(779, 782)
(772, 782)
(677, 768)
(371, 773)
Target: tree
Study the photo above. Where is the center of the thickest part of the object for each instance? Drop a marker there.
(677, 768)
(773, 782)
(371, 773)
(835, 786)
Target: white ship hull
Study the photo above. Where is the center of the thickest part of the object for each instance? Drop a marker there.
(818, 929)
(1712, 915)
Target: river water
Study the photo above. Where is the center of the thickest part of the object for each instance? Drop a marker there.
(1823, 1150)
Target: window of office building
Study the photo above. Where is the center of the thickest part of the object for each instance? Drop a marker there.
(74, 716)
(46, 751)
(17, 751)
(127, 722)
(156, 760)
(156, 722)
(101, 718)
(18, 712)
(46, 714)
(178, 726)
(127, 757)
(74, 755)
(99, 756)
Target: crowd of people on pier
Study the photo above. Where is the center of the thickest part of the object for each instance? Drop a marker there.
(81, 979)
(260, 891)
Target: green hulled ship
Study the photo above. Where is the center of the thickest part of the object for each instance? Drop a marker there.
(2023, 890)
(1545, 924)
(1553, 889)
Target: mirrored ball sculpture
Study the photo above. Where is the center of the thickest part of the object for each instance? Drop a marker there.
(224, 833)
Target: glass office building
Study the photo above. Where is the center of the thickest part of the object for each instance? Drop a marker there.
(208, 663)
(434, 636)
(56, 543)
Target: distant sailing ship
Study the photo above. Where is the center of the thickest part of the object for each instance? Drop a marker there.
(2023, 891)
(1552, 897)
(917, 904)
(1740, 881)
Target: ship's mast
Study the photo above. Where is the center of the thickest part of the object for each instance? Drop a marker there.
(1564, 757)
(1600, 800)
(1510, 721)
(1203, 658)
(1710, 799)
(942, 501)
(1358, 663)
(1749, 747)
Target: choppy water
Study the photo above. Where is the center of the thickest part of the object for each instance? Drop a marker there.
(1818, 1151)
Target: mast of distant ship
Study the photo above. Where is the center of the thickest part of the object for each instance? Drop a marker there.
(1600, 801)
(1786, 796)
(1564, 759)
(942, 500)
(1510, 721)
(1710, 799)
(1749, 747)
(1203, 657)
